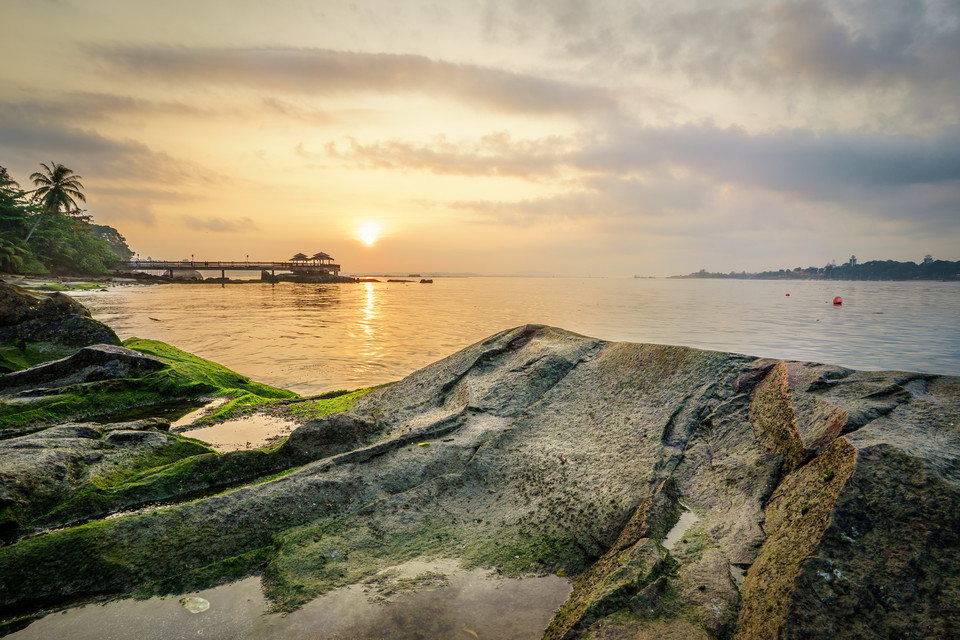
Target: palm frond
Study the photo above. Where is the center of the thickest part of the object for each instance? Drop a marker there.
(57, 187)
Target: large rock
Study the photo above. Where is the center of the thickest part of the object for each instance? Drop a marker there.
(42, 470)
(19, 305)
(89, 364)
(33, 324)
(691, 494)
(327, 436)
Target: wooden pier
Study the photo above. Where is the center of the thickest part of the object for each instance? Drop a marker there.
(297, 267)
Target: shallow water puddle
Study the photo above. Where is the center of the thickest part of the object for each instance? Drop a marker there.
(472, 604)
(242, 433)
(687, 520)
(738, 575)
(187, 420)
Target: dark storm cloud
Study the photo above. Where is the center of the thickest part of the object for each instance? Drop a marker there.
(326, 72)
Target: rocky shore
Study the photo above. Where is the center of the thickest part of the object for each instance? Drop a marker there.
(686, 493)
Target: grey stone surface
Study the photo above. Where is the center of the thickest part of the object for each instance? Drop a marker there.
(541, 450)
(89, 364)
(56, 318)
(40, 470)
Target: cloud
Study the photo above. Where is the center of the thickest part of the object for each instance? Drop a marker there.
(837, 167)
(787, 159)
(126, 209)
(78, 106)
(220, 225)
(132, 203)
(124, 179)
(274, 105)
(328, 72)
(497, 154)
(603, 203)
(853, 42)
(34, 138)
(893, 58)
(709, 179)
(841, 41)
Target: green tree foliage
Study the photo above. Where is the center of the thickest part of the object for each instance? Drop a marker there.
(40, 233)
(56, 188)
(893, 270)
(873, 270)
(12, 256)
(116, 242)
(66, 244)
(13, 207)
(15, 212)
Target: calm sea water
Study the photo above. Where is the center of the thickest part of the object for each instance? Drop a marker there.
(314, 338)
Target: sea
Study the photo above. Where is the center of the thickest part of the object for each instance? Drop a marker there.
(313, 338)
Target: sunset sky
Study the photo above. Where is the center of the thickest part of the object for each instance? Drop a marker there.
(604, 138)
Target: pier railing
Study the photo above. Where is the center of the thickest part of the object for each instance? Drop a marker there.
(245, 265)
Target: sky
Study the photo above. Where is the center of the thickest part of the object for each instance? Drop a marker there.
(527, 137)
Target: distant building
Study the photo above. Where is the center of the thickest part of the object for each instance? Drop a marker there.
(927, 259)
(853, 261)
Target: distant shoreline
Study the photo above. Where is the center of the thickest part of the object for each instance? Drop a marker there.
(875, 270)
(791, 279)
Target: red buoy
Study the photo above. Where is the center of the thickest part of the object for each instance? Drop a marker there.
(838, 301)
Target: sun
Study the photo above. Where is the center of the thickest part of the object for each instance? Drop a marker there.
(368, 232)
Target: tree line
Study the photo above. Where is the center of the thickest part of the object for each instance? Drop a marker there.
(893, 270)
(872, 270)
(45, 231)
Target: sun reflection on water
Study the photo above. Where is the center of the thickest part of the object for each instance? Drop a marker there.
(370, 310)
(371, 352)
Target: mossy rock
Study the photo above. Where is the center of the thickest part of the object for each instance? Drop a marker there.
(181, 377)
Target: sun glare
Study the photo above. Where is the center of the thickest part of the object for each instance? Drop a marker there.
(368, 232)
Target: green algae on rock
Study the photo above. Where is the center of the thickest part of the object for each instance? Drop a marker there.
(46, 475)
(110, 382)
(836, 491)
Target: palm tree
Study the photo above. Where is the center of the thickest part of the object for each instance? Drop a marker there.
(11, 256)
(57, 186)
(6, 182)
